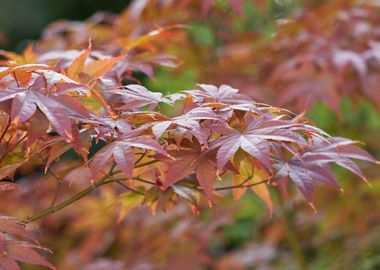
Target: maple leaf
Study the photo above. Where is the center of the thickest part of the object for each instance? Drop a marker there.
(112, 127)
(57, 109)
(25, 104)
(37, 127)
(65, 56)
(57, 146)
(58, 83)
(122, 153)
(98, 68)
(225, 94)
(187, 162)
(21, 66)
(304, 82)
(313, 165)
(137, 96)
(23, 252)
(253, 176)
(35, 98)
(255, 139)
(304, 174)
(344, 58)
(92, 69)
(206, 174)
(27, 57)
(13, 250)
(144, 40)
(22, 70)
(78, 64)
(190, 121)
(14, 226)
(340, 151)
(189, 194)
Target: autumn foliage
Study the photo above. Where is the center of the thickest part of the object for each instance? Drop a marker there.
(76, 93)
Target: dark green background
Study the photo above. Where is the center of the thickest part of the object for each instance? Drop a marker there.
(23, 20)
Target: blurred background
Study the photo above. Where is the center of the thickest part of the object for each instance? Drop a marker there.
(263, 48)
(22, 21)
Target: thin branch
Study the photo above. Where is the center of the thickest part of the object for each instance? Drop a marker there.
(106, 180)
(242, 186)
(246, 180)
(111, 171)
(76, 197)
(144, 181)
(130, 189)
(58, 188)
(15, 77)
(146, 163)
(5, 129)
(73, 199)
(140, 158)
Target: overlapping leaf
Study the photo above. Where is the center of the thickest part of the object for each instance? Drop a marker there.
(188, 162)
(252, 177)
(224, 94)
(21, 251)
(190, 121)
(256, 139)
(313, 165)
(122, 153)
(14, 251)
(137, 96)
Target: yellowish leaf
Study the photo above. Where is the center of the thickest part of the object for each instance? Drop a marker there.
(100, 67)
(27, 57)
(78, 64)
(144, 40)
(127, 202)
(250, 175)
(237, 193)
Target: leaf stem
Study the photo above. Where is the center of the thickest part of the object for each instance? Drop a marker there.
(242, 186)
(129, 188)
(106, 180)
(141, 157)
(76, 197)
(144, 181)
(54, 208)
(146, 163)
(58, 188)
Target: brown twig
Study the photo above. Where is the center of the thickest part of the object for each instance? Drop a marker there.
(242, 186)
(76, 197)
(129, 188)
(58, 188)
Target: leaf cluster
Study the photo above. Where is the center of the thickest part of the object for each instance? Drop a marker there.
(67, 94)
